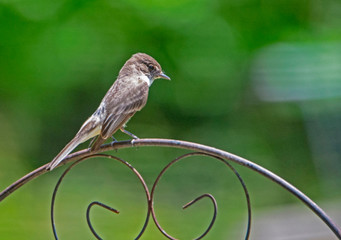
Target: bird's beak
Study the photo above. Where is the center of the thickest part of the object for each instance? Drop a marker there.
(164, 76)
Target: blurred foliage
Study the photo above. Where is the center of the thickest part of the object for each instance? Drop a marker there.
(58, 59)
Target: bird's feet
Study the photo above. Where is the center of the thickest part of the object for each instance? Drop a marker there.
(129, 133)
(114, 140)
(133, 141)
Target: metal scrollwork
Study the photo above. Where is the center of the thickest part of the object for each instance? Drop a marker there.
(150, 196)
(96, 202)
(198, 149)
(200, 197)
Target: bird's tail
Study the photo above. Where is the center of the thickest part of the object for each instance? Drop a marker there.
(64, 152)
(89, 129)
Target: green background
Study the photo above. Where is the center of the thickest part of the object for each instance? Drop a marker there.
(58, 58)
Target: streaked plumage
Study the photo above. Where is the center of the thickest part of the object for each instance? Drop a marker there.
(126, 96)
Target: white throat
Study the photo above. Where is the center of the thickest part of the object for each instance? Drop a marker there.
(141, 77)
(145, 79)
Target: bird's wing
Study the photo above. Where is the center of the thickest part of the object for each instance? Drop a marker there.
(122, 108)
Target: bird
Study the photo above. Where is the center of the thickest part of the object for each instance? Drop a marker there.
(127, 95)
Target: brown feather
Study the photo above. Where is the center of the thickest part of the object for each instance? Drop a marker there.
(121, 112)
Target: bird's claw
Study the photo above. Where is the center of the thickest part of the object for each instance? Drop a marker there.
(133, 141)
(114, 140)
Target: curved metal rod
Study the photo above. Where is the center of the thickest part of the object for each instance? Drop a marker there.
(88, 215)
(214, 213)
(247, 196)
(212, 222)
(101, 204)
(189, 146)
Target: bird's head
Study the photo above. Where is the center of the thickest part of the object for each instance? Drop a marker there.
(145, 65)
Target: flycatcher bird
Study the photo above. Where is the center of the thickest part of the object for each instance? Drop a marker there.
(125, 97)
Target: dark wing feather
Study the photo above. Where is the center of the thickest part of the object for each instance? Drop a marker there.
(114, 123)
(123, 108)
(109, 129)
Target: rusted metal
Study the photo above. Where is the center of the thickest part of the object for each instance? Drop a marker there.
(96, 202)
(189, 146)
(150, 197)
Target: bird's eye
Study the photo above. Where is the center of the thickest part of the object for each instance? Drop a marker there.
(151, 67)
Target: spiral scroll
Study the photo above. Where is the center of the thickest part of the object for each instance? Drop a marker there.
(150, 196)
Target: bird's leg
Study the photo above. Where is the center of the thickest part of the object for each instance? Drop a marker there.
(114, 140)
(128, 133)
